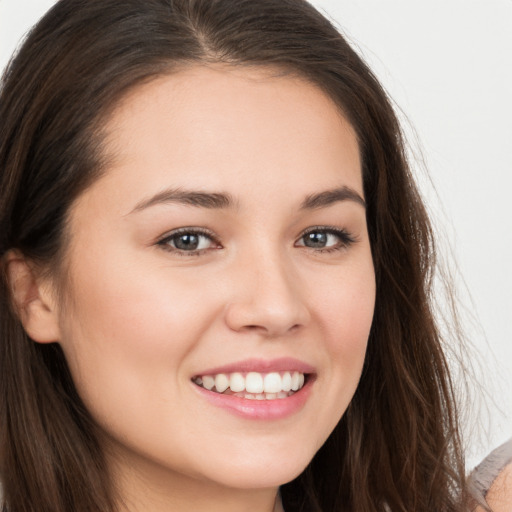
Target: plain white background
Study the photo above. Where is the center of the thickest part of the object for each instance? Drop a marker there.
(448, 66)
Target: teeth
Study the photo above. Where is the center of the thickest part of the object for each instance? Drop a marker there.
(286, 381)
(295, 381)
(254, 382)
(208, 382)
(255, 385)
(221, 382)
(237, 382)
(272, 383)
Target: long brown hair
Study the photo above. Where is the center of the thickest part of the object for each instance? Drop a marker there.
(397, 447)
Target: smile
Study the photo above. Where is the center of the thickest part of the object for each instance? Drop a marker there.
(254, 385)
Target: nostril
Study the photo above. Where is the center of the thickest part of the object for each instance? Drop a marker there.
(267, 311)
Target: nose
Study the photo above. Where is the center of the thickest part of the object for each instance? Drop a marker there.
(268, 298)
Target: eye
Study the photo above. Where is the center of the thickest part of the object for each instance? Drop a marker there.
(325, 239)
(188, 240)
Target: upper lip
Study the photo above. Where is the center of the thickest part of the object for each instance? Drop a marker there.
(261, 366)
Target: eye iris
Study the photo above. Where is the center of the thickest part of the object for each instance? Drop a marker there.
(187, 242)
(316, 239)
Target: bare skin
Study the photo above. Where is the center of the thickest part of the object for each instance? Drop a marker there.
(499, 496)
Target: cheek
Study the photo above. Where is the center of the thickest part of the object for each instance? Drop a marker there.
(130, 329)
(346, 307)
(345, 312)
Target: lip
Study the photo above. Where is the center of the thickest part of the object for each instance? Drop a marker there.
(259, 409)
(281, 364)
(276, 409)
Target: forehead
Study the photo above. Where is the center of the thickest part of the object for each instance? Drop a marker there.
(240, 128)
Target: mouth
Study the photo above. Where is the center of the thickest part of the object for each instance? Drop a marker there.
(254, 385)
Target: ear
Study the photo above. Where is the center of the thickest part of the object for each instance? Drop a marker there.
(33, 298)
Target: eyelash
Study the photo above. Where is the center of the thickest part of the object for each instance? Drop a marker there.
(164, 242)
(345, 239)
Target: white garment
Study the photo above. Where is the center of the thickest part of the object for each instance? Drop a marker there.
(484, 475)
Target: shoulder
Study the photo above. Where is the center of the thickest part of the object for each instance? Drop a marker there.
(491, 482)
(499, 495)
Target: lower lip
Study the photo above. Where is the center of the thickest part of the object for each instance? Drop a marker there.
(260, 409)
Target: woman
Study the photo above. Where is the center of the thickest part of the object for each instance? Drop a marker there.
(217, 271)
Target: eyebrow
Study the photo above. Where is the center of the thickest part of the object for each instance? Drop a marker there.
(329, 197)
(222, 200)
(210, 200)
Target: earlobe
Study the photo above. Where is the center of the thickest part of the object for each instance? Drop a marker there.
(33, 299)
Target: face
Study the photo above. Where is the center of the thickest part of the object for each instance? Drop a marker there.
(226, 245)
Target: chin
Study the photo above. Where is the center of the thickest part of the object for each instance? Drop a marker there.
(260, 472)
(261, 478)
